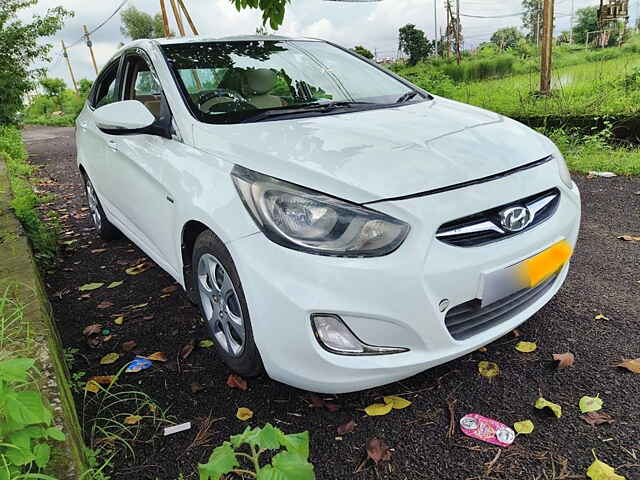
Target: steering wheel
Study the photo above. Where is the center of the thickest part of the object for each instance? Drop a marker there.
(207, 100)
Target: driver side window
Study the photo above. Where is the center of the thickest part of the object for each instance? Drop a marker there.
(141, 84)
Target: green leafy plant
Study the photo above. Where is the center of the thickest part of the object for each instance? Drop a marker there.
(25, 424)
(289, 460)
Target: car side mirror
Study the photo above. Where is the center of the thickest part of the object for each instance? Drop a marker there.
(124, 118)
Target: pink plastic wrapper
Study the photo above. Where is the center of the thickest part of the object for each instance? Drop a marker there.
(487, 430)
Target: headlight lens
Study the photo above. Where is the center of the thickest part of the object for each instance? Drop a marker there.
(563, 169)
(302, 219)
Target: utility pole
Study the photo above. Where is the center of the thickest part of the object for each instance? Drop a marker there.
(547, 46)
(165, 19)
(66, 57)
(458, 26)
(176, 14)
(90, 45)
(188, 17)
(435, 22)
(448, 31)
(573, 6)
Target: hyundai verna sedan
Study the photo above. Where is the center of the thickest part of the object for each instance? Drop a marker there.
(339, 227)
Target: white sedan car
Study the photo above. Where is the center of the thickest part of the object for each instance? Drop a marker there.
(339, 227)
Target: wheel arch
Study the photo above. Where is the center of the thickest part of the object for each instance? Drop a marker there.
(190, 232)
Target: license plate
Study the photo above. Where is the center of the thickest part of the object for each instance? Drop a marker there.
(526, 274)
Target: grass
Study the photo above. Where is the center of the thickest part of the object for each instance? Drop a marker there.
(16, 334)
(25, 201)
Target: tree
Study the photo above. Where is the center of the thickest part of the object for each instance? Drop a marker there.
(53, 88)
(84, 86)
(20, 46)
(138, 24)
(360, 50)
(532, 19)
(586, 21)
(414, 43)
(272, 10)
(506, 37)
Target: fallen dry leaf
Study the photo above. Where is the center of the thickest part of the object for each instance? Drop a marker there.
(187, 349)
(205, 344)
(128, 346)
(597, 418)
(317, 402)
(158, 357)
(398, 403)
(554, 407)
(488, 369)
(138, 269)
(169, 289)
(103, 379)
(90, 286)
(244, 414)
(119, 320)
(378, 409)
(378, 451)
(234, 381)
(104, 304)
(92, 387)
(196, 387)
(115, 284)
(93, 329)
(109, 358)
(348, 427)
(564, 359)
(600, 317)
(628, 238)
(601, 471)
(526, 347)
(631, 365)
(98, 250)
(137, 307)
(132, 419)
(524, 427)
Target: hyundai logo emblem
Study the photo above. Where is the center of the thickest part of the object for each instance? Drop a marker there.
(515, 219)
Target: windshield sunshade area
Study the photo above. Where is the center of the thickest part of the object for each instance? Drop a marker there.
(239, 81)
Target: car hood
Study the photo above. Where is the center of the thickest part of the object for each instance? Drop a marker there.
(378, 154)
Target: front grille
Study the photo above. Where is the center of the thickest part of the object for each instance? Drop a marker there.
(485, 227)
(469, 319)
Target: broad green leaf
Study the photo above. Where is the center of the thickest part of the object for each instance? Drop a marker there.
(90, 286)
(287, 466)
(222, 461)
(109, 358)
(27, 408)
(16, 370)
(378, 409)
(244, 414)
(248, 436)
(18, 456)
(601, 471)
(555, 408)
(297, 443)
(524, 427)
(526, 347)
(590, 404)
(269, 437)
(398, 403)
(115, 284)
(42, 453)
(488, 369)
(56, 434)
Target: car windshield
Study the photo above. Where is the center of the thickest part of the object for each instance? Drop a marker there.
(235, 81)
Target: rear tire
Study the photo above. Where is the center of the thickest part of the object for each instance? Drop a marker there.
(222, 304)
(105, 228)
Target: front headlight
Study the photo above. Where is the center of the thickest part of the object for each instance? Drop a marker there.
(302, 219)
(565, 176)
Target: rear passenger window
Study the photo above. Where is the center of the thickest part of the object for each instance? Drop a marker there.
(106, 89)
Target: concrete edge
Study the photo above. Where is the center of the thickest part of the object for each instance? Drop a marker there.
(19, 273)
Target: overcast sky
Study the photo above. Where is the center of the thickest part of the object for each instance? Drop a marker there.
(374, 25)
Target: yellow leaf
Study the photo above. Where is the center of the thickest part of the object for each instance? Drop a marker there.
(601, 471)
(244, 414)
(90, 286)
(488, 369)
(119, 320)
(397, 403)
(138, 269)
(115, 284)
(526, 347)
(158, 357)
(137, 307)
(109, 358)
(524, 427)
(590, 404)
(92, 386)
(132, 419)
(600, 317)
(378, 409)
(555, 408)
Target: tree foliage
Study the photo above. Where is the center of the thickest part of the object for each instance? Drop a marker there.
(362, 51)
(586, 21)
(53, 88)
(532, 18)
(507, 37)
(272, 10)
(138, 24)
(414, 43)
(20, 47)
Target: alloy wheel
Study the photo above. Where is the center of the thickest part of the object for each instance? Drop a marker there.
(220, 305)
(93, 205)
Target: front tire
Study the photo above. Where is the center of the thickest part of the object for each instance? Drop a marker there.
(223, 305)
(105, 228)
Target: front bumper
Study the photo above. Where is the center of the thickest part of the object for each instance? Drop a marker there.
(391, 300)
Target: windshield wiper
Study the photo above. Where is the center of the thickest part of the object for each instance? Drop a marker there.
(304, 108)
(407, 96)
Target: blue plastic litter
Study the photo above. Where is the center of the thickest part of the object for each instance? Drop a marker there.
(138, 364)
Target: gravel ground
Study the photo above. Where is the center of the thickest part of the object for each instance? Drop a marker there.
(604, 279)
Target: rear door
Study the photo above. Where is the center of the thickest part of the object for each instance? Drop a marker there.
(139, 161)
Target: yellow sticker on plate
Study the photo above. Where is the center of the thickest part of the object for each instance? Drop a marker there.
(536, 270)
